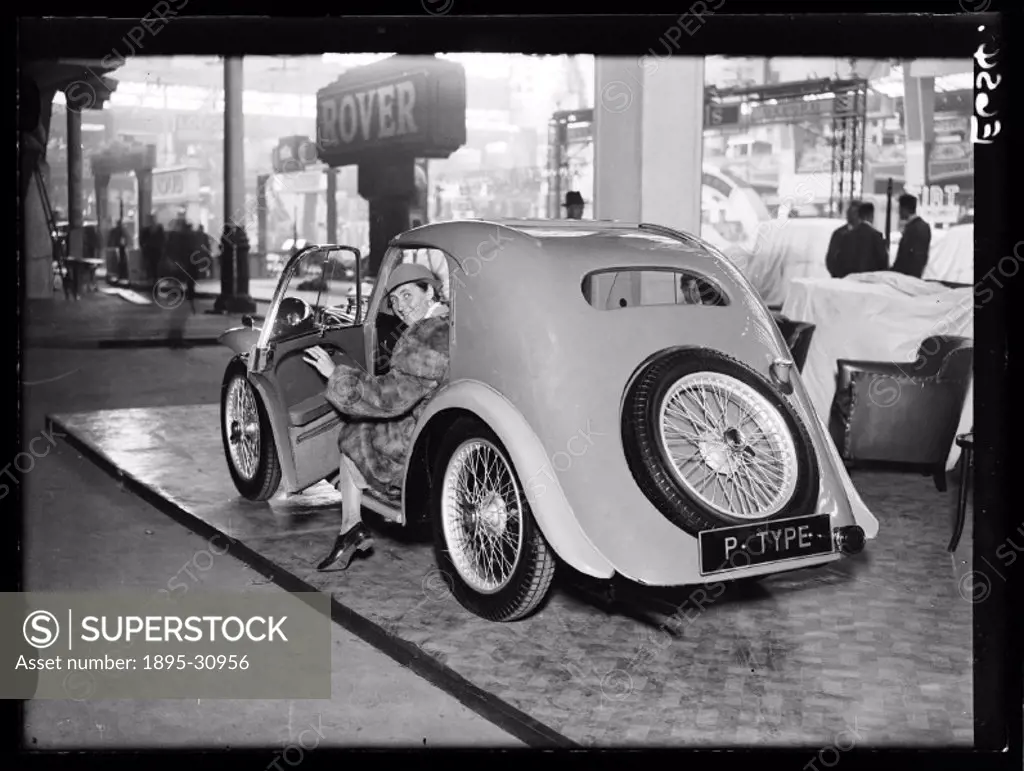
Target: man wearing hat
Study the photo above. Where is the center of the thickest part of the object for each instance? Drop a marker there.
(381, 411)
(573, 205)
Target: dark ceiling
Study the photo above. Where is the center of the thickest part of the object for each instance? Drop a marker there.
(751, 34)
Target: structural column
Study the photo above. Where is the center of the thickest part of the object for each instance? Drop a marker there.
(144, 178)
(34, 110)
(235, 262)
(919, 119)
(234, 148)
(102, 184)
(261, 214)
(75, 235)
(332, 206)
(648, 140)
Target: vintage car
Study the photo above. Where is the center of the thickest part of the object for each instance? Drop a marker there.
(619, 401)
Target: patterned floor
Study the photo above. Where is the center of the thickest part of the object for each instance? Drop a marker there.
(878, 646)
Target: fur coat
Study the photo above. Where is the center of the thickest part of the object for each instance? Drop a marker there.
(381, 411)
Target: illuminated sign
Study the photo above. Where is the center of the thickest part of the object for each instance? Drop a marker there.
(415, 108)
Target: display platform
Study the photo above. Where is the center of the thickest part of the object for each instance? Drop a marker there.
(880, 644)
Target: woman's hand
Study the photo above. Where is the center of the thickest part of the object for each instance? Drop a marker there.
(319, 358)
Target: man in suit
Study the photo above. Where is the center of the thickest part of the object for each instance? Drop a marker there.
(833, 259)
(912, 255)
(867, 243)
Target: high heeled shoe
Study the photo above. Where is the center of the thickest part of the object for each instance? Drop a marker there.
(346, 546)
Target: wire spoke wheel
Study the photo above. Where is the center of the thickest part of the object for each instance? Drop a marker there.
(728, 446)
(482, 516)
(242, 428)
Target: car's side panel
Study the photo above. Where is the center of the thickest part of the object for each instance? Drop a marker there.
(314, 444)
(316, 449)
(551, 509)
(564, 366)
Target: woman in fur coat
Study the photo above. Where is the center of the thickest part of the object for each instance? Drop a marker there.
(381, 411)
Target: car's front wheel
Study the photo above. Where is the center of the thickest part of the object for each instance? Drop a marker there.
(246, 433)
(488, 547)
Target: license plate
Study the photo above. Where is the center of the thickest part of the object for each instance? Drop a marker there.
(730, 548)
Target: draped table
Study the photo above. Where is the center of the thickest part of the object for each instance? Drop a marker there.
(881, 316)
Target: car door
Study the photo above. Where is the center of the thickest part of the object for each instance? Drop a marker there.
(309, 309)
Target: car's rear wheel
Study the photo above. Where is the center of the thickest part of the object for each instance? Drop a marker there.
(712, 444)
(247, 436)
(488, 547)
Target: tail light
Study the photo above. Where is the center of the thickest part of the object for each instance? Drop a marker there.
(781, 371)
(849, 539)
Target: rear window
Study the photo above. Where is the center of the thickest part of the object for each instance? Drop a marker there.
(638, 287)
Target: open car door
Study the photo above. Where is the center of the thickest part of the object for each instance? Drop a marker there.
(310, 308)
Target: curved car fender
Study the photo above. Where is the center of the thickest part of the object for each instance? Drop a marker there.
(551, 509)
(861, 515)
(825, 446)
(239, 339)
(276, 414)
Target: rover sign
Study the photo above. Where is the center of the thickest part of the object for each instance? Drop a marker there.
(371, 114)
(399, 105)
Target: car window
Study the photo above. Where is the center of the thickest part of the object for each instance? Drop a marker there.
(321, 280)
(337, 291)
(632, 287)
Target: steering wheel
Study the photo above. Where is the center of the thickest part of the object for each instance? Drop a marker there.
(291, 313)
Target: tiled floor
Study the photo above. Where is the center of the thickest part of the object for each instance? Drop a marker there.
(101, 316)
(878, 646)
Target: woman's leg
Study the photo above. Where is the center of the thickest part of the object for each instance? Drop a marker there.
(353, 537)
(351, 485)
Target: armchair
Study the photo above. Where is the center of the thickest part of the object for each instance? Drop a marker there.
(798, 336)
(903, 412)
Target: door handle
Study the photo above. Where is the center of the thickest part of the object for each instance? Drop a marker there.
(265, 357)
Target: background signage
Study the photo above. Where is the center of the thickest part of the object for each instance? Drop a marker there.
(415, 108)
(294, 153)
(838, 106)
(175, 185)
(717, 115)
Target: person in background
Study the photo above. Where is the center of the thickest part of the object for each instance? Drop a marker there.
(912, 255)
(869, 242)
(862, 249)
(833, 258)
(119, 240)
(573, 205)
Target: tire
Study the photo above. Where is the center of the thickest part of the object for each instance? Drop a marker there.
(255, 468)
(783, 483)
(517, 593)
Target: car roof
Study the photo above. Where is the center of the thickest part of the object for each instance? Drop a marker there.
(569, 244)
